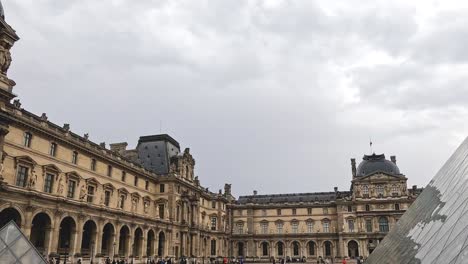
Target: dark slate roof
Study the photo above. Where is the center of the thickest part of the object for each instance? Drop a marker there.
(290, 198)
(161, 137)
(376, 163)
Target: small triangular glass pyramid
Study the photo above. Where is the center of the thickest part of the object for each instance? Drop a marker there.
(15, 248)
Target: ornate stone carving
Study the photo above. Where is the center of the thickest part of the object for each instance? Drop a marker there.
(5, 59)
(17, 103)
(83, 193)
(44, 117)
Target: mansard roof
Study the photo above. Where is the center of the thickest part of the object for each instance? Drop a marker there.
(291, 198)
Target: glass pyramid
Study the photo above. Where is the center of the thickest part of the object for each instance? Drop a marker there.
(435, 228)
(15, 248)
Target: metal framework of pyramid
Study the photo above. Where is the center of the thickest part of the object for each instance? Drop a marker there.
(435, 228)
(15, 248)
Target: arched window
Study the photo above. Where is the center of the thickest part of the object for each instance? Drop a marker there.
(328, 248)
(295, 248)
(240, 251)
(311, 248)
(264, 249)
(279, 248)
(383, 224)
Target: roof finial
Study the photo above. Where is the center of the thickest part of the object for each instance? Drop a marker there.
(370, 145)
(2, 12)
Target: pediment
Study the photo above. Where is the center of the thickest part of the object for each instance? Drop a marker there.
(52, 167)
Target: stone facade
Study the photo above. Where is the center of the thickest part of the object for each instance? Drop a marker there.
(325, 224)
(75, 198)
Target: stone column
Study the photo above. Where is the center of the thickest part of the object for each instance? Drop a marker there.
(340, 248)
(130, 241)
(144, 241)
(77, 237)
(48, 237)
(28, 223)
(156, 244)
(98, 239)
(53, 243)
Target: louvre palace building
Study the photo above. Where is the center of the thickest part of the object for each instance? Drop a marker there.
(76, 198)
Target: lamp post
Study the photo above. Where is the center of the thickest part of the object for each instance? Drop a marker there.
(92, 251)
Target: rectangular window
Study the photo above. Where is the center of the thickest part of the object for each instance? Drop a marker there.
(309, 211)
(93, 164)
(264, 212)
(213, 222)
(326, 227)
(213, 205)
(161, 211)
(240, 228)
(75, 157)
(135, 181)
(213, 247)
(368, 225)
(109, 170)
(350, 208)
(27, 139)
(161, 188)
(22, 176)
(264, 228)
(279, 228)
(123, 176)
(351, 225)
(107, 195)
(310, 227)
(397, 207)
(90, 195)
(294, 211)
(146, 185)
(278, 211)
(71, 189)
(48, 182)
(325, 210)
(53, 149)
(295, 228)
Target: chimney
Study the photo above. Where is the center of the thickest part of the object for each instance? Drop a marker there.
(353, 167)
(415, 187)
(336, 189)
(119, 147)
(393, 159)
(255, 192)
(102, 144)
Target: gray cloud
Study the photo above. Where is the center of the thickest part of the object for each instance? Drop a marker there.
(269, 95)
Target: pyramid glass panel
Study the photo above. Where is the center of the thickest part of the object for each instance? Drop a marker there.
(16, 248)
(435, 227)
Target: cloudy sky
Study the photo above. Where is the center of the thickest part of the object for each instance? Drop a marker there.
(269, 95)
